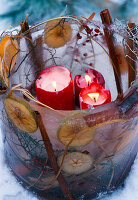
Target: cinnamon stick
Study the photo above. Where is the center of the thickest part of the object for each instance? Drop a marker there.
(107, 21)
(103, 116)
(131, 57)
(52, 158)
(24, 26)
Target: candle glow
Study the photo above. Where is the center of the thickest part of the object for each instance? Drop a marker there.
(54, 85)
(88, 79)
(94, 96)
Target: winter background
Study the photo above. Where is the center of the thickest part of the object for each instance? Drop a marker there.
(12, 12)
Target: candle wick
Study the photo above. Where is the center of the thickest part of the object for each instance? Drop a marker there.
(88, 83)
(55, 90)
(94, 99)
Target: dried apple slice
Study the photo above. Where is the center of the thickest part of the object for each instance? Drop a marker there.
(21, 114)
(74, 126)
(76, 162)
(8, 52)
(4, 81)
(57, 33)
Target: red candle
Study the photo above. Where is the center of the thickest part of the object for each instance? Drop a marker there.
(54, 87)
(83, 81)
(93, 96)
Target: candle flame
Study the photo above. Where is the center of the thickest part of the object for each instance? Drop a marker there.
(88, 79)
(54, 85)
(94, 96)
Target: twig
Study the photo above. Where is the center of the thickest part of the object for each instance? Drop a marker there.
(24, 25)
(131, 62)
(52, 158)
(34, 58)
(107, 21)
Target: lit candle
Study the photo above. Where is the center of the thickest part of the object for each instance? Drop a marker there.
(88, 79)
(54, 87)
(93, 96)
(83, 81)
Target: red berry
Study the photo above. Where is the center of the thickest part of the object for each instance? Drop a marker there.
(87, 40)
(85, 54)
(85, 25)
(79, 36)
(76, 60)
(95, 35)
(96, 30)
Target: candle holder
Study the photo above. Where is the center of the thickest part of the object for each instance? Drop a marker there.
(91, 149)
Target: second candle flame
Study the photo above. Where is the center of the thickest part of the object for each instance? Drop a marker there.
(88, 79)
(54, 85)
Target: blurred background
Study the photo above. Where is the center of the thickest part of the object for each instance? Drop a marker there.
(12, 12)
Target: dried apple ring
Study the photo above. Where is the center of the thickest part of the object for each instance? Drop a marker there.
(76, 162)
(21, 114)
(57, 33)
(74, 126)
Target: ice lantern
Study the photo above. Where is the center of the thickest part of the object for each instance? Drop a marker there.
(92, 149)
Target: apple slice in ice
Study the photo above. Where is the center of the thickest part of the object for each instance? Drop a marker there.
(76, 162)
